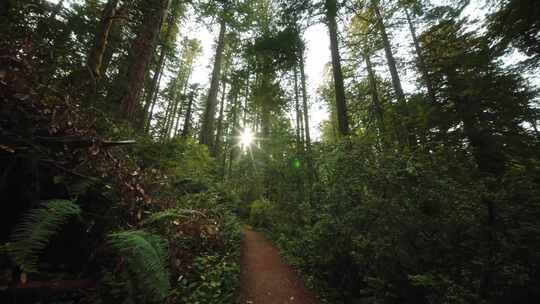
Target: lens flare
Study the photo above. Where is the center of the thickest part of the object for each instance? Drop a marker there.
(246, 139)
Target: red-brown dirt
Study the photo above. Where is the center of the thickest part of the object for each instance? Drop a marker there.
(266, 278)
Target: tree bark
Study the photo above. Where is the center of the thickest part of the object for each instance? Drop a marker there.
(207, 127)
(154, 89)
(341, 105)
(405, 137)
(95, 58)
(374, 94)
(309, 159)
(184, 91)
(155, 93)
(392, 66)
(305, 105)
(143, 47)
(187, 121)
(234, 132)
(297, 109)
(219, 132)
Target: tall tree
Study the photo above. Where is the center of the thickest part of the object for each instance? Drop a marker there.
(95, 58)
(420, 59)
(142, 49)
(391, 61)
(166, 43)
(331, 9)
(207, 124)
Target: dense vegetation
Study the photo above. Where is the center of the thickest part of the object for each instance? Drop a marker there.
(123, 180)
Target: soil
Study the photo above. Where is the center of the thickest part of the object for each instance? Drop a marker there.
(266, 278)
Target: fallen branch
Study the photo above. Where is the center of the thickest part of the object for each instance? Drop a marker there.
(53, 286)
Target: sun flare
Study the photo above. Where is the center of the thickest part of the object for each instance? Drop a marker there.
(246, 138)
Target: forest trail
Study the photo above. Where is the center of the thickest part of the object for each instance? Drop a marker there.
(265, 277)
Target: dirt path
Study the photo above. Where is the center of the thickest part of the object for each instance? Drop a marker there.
(265, 277)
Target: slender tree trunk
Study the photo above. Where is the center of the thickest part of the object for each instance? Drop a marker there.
(184, 91)
(219, 132)
(207, 127)
(341, 105)
(421, 61)
(404, 135)
(392, 66)
(143, 47)
(170, 107)
(309, 159)
(305, 105)
(234, 132)
(155, 93)
(377, 107)
(297, 109)
(172, 116)
(154, 88)
(246, 101)
(95, 58)
(187, 121)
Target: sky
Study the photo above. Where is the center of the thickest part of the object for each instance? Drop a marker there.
(318, 56)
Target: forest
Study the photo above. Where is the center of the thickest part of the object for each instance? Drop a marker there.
(192, 151)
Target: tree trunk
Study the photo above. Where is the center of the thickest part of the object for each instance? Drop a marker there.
(377, 107)
(297, 109)
(155, 93)
(170, 108)
(187, 121)
(154, 89)
(396, 82)
(172, 116)
(341, 105)
(234, 132)
(405, 137)
(309, 159)
(219, 132)
(143, 47)
(95, 58)
(421, 61)
(207, 127)
(184, 91)
(305, 105)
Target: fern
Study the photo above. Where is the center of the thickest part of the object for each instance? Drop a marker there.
(164, 217)
(146, 257)
(160, 217)
(38, 226)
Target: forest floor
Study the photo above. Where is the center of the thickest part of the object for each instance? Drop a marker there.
(265, 277)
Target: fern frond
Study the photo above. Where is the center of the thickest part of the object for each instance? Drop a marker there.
(35, 231)
(160, 217)
(168, 215)
(146, 255)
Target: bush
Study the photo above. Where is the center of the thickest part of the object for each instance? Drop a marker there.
(260, 214)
